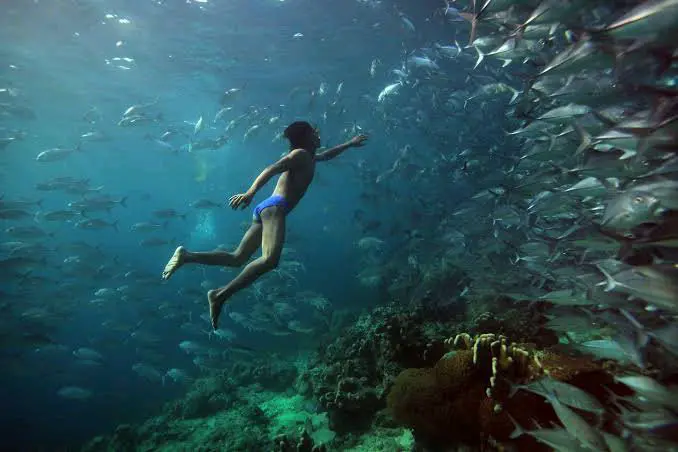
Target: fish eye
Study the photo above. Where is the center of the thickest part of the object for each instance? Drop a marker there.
(638, 199)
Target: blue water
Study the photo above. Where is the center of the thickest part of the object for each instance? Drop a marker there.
(186, 54)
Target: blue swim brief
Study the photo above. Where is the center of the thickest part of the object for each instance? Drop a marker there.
(274, 200)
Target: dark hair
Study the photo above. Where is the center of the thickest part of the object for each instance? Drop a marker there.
(298, 133)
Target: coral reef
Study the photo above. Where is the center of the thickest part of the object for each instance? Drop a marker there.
(283, 443)
(230, 410)
(392, 368)
(466, 397)
(257, 420)
(350, 376)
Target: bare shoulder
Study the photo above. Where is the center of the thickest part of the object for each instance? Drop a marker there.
(301, 155)
(299, 151)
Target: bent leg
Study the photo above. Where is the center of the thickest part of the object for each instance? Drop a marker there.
(248, 245)
(272, 241)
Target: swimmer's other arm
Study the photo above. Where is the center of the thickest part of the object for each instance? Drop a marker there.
(329, 154)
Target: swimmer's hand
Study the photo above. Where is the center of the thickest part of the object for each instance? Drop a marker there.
(241, 200)
(358, 141)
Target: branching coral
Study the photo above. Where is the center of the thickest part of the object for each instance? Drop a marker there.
(496, 355)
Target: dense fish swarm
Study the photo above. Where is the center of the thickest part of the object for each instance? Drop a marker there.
(558, 119)
(588, 210)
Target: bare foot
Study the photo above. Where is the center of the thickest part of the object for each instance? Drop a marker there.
(215, 307)
(175, 262)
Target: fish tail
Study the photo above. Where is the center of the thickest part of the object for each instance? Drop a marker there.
(481, 57)
(513, 389)
(584, 137)
(552, 141)
(115, 226)
(611, 283)
(643, 336)
(517, 429)
(516, 93)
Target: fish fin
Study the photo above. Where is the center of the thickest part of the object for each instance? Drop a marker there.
(115, 226)
(585, 138)
(569, 337)
(516, 93)
(627, 154)
(643, 336)
(602, 118)
(513, 389)
(517, 429)
(611, 283)
(481, 57)
(123, 201)
(549, 393)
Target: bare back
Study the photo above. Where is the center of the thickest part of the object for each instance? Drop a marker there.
(292, 184)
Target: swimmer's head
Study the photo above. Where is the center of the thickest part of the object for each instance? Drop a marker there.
(303, 135)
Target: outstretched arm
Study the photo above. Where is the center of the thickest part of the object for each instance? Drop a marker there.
(329, 154)
(288, 162)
